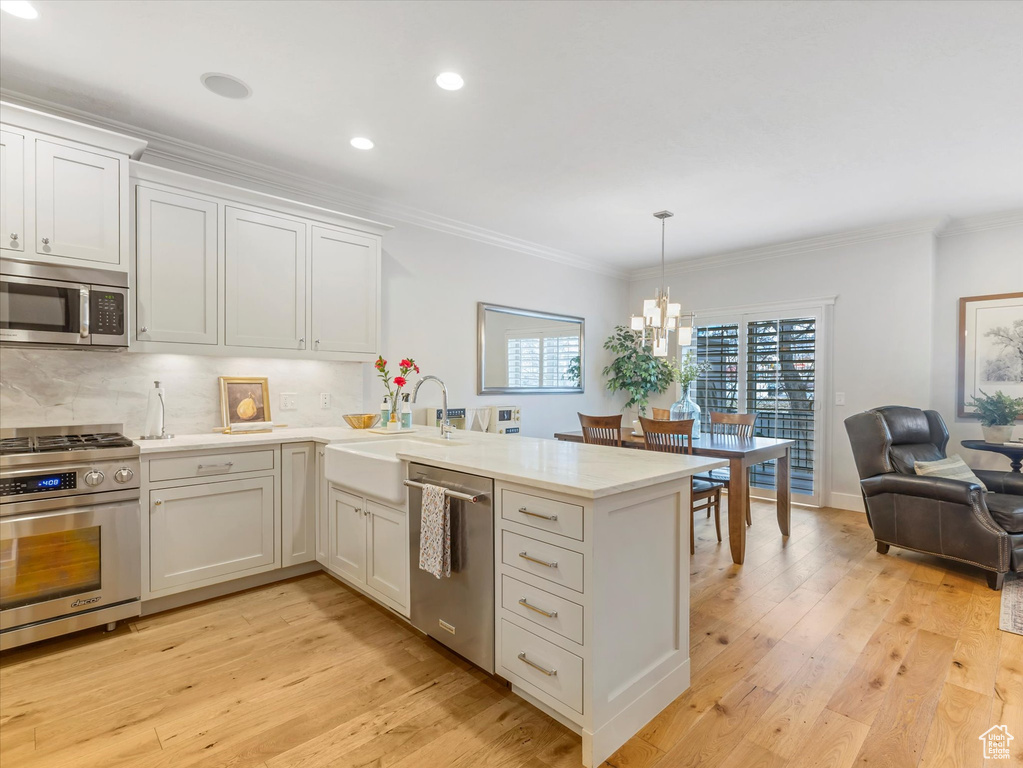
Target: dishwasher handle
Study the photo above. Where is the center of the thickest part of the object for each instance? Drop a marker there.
(472, 498)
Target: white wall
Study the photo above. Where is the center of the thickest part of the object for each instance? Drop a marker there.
(894, 327)
(432, 284)
(880, 331)
(974, 263)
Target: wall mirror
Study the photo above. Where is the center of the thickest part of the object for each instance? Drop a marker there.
(521, 351)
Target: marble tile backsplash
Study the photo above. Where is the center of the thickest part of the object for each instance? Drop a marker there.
(56, 387)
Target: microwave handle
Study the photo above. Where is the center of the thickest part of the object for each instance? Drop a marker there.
(83, 294)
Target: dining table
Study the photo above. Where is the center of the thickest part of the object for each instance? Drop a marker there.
(741, 453)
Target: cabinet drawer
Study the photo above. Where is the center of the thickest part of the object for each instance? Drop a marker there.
(537, 605)
(548, 561)
(210, 465)
(544, 665)
(546, 514)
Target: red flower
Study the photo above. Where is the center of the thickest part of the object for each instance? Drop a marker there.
(399, 381)
(406, 364)
(417, 368)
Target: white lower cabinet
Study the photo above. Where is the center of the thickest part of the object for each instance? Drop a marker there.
(368, 546)
(346, 554)
(205, 533)
(298, 503)
(387, 553)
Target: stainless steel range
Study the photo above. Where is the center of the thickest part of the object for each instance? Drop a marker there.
(70, 542)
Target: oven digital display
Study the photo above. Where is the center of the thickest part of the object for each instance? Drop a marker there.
(61, 481)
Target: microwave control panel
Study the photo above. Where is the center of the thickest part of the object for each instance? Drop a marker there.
(106, 313)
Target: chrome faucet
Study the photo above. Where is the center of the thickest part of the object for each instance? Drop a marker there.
(445, 425)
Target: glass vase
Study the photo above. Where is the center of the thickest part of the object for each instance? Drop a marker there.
(686, 408)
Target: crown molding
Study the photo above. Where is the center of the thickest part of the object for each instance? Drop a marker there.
(929, 225)
(999, 220)
(222, 166)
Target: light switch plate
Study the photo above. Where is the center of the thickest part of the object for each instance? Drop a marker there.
(840, 398)
(289, 401)
(325, 400)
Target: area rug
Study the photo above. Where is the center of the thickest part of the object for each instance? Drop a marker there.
(1011, 618)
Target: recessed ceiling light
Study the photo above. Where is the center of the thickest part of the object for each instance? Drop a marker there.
(450, 81)
(360, 142)
(228, 86)
(20, 8)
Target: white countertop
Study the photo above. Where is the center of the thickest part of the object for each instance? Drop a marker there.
(591, 471)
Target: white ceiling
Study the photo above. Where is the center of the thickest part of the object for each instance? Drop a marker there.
(755, 122)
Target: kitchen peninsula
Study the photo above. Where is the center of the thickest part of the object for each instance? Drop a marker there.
(606, 533)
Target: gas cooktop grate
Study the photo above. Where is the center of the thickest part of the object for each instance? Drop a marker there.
(51, 443)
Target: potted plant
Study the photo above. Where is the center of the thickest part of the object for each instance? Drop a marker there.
(635, 370)
(998, 414)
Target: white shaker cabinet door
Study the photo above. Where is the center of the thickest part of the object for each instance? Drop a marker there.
(204, 534)
(298, 497)
(347, 524)
(77, 204)
(322, 509)
(344, 290)
(387, 552)
(177, 267)
(266, 281)
(12, 191)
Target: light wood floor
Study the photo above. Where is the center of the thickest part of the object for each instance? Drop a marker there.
(815, 653)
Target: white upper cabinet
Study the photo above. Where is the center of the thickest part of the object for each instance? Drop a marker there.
(344, 291)
(77, 204)
(227, 271)
(12, 191)
(176, 281)
(64, 190)
(265, 260)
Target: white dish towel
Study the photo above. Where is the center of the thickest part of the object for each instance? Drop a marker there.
(435, 532)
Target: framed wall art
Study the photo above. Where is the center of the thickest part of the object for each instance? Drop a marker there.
(990, 347)
(244, 401)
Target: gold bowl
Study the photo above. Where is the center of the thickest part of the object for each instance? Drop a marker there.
(361, 420)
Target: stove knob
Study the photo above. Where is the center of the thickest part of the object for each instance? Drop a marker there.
(123, 475)
(93, 478)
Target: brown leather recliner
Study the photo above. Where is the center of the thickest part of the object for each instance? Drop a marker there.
(948, 518)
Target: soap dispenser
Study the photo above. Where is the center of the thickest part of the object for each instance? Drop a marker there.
(406, 412)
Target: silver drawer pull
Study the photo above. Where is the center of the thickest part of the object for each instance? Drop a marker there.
(227, 464)
(524, 556)
(549, 614)
(534, 665)
(525, 511)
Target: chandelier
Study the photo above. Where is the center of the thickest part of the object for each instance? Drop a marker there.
(660, 316)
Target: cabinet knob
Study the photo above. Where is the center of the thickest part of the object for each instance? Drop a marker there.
(46, 241)
(301, 343)
(317, 342)
(144, 329)
(14, 235)
(158, 502)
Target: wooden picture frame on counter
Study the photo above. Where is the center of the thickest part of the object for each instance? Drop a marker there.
(245, 403)
(987, 357)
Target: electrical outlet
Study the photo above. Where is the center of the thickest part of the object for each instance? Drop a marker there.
(325, 400)
(289, 401)
(840, 398)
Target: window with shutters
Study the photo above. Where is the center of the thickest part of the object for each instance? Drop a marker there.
(766, 366)
(541, 360)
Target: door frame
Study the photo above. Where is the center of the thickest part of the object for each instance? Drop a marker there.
(822, 308)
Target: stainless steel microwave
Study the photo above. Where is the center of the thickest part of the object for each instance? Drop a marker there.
(62, 306)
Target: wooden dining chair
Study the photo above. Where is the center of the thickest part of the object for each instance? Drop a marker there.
(602, 430)
(739, 425)
(677, 437)
(662, 414)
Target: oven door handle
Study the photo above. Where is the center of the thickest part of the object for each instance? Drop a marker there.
(83, 312)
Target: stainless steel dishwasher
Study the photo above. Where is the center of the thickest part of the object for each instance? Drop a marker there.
(457, 611)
